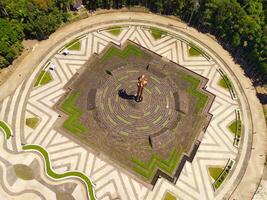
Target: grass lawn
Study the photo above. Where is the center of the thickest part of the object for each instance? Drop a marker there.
(24, 172)
(215, 172)
(126, 52)
(74, 45)
(43, 78)
(54, 175)
(157, 33)
(116, 30)
(148, 169)
(32, 122)
(193, 90)
(72, 124)
(194, 50)
(6, 129)
(169, 196)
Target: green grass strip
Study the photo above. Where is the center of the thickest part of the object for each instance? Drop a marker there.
(236, 128)
(126, 52)
(72, 123)
(148, 169)
(223, 174)
(54, 175)
(116, 30)
(193, 90)
(157, 33)
(7, 130)
(43, 78)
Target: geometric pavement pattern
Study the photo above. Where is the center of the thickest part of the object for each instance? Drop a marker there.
(110, 182)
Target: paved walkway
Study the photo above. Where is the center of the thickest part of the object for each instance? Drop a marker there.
(216, 148)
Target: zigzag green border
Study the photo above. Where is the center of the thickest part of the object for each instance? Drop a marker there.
(148, 169)
(72, 123)
(126, 52)
(193, 90)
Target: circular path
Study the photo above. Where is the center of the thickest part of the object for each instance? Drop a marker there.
(119, 110)
(21, 101)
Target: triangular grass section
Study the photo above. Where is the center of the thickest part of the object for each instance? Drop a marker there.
(232, 127)
(74, 45)
(32, 122)
(215, 172)
(194, 50)
(193, 90)
(126, 52)
(148, 169)
(157, 33)
(116, 30)
(169, 196)
(72, 124)
(43, 78)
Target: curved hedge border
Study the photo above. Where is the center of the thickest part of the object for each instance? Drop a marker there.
(54, 175)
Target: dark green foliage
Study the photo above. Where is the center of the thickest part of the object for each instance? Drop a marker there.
(240, 25)
(32, 19)
(11, 36)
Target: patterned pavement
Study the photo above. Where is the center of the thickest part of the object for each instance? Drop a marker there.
(110, 181)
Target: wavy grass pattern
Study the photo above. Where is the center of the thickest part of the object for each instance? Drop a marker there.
(55, 175)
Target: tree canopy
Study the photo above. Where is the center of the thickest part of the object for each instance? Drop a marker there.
(240, 25)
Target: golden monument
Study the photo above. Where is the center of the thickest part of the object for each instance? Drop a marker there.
(142, 82)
